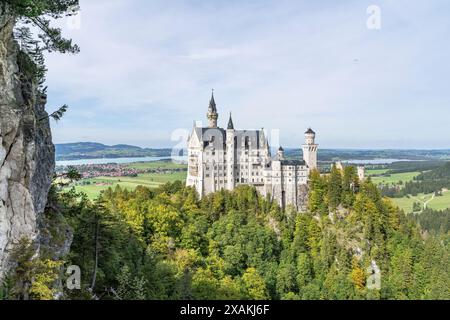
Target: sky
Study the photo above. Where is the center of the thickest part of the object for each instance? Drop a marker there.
(146, 70)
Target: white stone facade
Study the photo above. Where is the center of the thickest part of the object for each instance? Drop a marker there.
(221, 158)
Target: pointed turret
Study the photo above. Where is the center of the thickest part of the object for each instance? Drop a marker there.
(212, 103)
(230, 154)
(212, 112)
(230, 123)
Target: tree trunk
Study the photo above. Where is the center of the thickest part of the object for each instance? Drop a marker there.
(94, 276)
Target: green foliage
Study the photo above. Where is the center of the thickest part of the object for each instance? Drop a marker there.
(335, 188)
(130, 288)
(430, 181)
(32, 278)
(165, 243)
(433, 221)
(39, 13)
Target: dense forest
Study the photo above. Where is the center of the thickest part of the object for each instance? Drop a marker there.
(168, 244)
(434, 180)
(434, 221)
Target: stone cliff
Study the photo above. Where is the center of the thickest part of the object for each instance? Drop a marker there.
(26, 149)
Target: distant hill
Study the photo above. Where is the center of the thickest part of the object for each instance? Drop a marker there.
(93, 150)
(361, 154)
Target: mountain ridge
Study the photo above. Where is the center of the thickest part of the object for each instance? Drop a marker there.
(91, 150)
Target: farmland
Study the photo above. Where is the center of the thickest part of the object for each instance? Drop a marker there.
(395, 178)
(433, 202)
(160, 173)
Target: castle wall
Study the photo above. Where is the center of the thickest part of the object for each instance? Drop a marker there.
(223, 159)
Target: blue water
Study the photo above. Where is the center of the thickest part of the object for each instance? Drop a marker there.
(374, 161)
(116, 160)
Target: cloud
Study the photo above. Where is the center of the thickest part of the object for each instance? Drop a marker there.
(147, 67)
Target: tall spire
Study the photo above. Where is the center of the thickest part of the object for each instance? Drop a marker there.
(230, 123)
(212, 103)
(212, 112)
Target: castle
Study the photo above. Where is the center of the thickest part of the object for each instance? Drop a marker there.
(221, 158)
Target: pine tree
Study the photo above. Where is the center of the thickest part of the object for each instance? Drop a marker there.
(334, 188)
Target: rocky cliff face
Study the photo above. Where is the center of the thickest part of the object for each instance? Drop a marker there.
(26, 148)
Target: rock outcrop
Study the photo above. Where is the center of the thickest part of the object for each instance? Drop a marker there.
(26, 148)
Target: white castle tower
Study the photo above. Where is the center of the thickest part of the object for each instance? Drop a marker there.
(230, 154)
(310, 149)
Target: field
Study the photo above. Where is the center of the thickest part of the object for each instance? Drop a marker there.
(371, 172)
(94, 186)
(436, 203)
(440, 203)
(406, 203)
(156, 165)
(395, 178)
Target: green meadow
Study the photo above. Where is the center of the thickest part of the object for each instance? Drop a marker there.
(93, 187)
(371, 172)
(436, 203)
(395, 178)
(440, 203)
(156, 165)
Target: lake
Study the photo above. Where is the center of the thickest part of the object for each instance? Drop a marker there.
(116, 160)
(374, 161)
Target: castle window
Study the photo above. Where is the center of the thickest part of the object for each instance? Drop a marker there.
(207, 175)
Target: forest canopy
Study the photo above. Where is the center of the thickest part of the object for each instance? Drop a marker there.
(166, 243)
